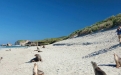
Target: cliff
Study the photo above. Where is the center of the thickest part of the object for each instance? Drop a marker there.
(21, 42)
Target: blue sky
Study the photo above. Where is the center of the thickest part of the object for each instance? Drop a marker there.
(40, 19)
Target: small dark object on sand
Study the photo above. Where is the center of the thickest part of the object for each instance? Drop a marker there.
(37, 58)
(97, 70)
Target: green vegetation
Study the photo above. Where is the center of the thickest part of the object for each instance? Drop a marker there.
(21, 40)
(52, 40)
(105, 24)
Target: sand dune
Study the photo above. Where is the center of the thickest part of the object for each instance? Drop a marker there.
(68, 57)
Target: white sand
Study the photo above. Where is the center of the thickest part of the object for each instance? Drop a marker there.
(72, 58)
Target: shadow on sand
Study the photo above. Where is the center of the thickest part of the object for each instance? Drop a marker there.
(101, 51)
(31, 60)
(110, 65)
(28, 62)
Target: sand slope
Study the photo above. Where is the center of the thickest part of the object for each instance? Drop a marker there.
(68, 57)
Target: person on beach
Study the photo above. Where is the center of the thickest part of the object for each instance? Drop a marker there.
(119, 34)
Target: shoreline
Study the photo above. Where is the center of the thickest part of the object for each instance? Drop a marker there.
(66, 59)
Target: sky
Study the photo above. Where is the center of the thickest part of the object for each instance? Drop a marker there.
(41, 19)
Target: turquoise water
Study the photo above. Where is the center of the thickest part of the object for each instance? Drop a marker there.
(13, 46)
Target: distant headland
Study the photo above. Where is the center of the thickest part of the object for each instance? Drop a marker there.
(106, 24)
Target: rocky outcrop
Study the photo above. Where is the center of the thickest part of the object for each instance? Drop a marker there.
(8, 44)
(21, 42)
(31, 43)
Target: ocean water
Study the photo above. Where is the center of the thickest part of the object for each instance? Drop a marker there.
(2, 47)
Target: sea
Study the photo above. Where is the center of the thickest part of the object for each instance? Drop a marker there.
(15, 46)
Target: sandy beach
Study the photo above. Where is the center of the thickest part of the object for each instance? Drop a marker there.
(68, 57)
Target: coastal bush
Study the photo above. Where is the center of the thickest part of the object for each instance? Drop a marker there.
(94, 28)
(104, 24)
(52, 40)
